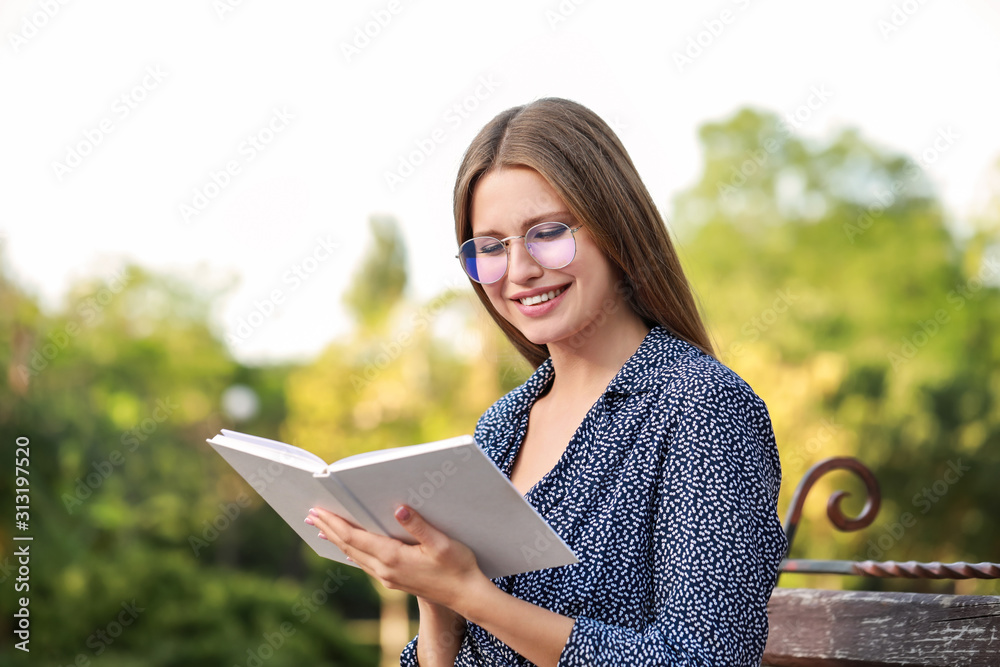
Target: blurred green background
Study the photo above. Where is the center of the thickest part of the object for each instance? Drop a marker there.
(832, 280)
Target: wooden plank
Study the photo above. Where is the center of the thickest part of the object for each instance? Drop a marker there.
(813, 628)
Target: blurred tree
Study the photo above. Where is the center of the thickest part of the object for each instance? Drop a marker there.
(832, 283)
(409, 373)
(117, 393)
(381, 280)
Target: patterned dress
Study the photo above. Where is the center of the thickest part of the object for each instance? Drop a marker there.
(667, 495)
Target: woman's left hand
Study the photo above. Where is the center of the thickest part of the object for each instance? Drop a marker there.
(437, 568)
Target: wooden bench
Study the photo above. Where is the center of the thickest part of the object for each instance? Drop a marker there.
(811, 627)
(823, 628)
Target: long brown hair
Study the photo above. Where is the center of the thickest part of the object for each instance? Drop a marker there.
(585, 163)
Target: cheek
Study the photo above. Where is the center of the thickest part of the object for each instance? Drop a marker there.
(496, 299)
(596, 267)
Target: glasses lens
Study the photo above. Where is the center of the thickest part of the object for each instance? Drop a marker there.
(484, 258)
(551, 244)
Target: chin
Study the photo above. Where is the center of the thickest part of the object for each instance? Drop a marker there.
(543, 335)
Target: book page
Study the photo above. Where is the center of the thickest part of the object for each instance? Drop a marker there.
(289, 487)
(270, 449)
(452, 483)
(394, 453)
(458, 490)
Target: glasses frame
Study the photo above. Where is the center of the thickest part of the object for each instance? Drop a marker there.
(506, 246)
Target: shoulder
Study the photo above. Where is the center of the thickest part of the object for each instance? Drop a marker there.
(682, 378)
(697, 401)
(701, 380)
(712, 418)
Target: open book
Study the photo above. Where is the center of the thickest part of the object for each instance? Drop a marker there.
(452, 483)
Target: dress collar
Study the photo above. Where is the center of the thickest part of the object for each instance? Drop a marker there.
(643, 371)
(639, 374)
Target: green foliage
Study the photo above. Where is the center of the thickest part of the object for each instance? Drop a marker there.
(380, 282)
(117, 393)
(833, 284)
(175, 614)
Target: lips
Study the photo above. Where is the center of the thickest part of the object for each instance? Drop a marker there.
(542, 298)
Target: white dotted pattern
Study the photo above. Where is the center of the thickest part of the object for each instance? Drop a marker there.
(667, 494)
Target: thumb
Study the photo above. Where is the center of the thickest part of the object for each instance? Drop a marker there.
(415, 524)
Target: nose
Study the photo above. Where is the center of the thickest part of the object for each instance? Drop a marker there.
(521, 266)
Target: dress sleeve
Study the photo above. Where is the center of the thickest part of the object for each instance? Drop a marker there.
(408, 658)
(716, 542)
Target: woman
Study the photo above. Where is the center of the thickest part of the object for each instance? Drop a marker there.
(652, 460)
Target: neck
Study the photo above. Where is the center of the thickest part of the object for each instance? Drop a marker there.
(587, 362)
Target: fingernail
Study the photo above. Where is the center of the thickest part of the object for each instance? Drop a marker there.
(403, 513)
(312, 510)
(309, 520)
(322, 536)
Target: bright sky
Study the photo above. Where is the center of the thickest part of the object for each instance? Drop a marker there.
(249, 140)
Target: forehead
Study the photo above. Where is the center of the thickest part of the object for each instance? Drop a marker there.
(507, 201)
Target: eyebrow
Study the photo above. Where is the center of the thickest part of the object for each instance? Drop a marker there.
(560, 215)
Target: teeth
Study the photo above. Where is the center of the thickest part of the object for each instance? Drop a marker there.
(541, 298)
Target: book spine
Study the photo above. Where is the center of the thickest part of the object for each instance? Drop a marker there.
(351, 503)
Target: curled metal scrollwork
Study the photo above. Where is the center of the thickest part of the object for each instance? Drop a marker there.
(908, 569)
(833, 507)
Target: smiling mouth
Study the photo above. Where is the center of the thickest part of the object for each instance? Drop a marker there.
(542, 298)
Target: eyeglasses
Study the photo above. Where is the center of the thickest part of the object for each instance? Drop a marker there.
(551, 244)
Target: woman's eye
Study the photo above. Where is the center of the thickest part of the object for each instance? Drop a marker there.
(549, 234)
(491, 249)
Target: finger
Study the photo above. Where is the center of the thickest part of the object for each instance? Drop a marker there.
(329, 524)
(346, 536)
(418, 527)
(325, 514)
